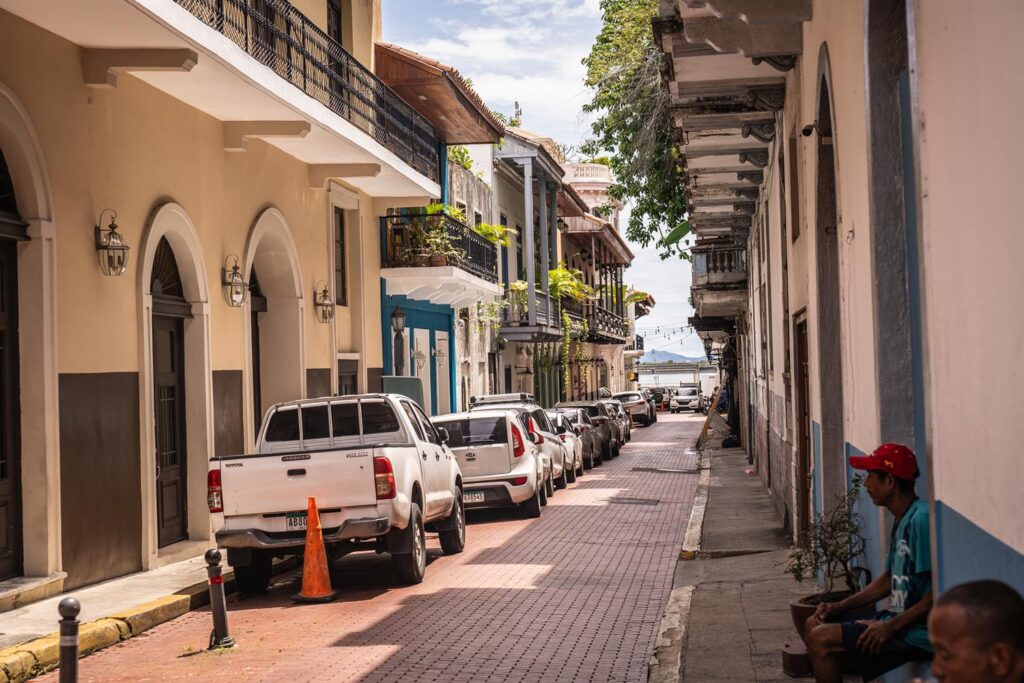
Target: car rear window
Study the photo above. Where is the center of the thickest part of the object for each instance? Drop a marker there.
(345, 419)
(477, 431)
(629, 397)
(283, 426)
(593, 411)
(378, 418)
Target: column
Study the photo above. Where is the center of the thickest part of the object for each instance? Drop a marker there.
(527, 237)
(545, 251)
(553, 218)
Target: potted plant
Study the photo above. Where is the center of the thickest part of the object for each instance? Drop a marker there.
(517, 300)
(830, 552)
(440, 246)
(564, 282)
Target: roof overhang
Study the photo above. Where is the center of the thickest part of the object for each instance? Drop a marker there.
(440, 93)
(590, 226)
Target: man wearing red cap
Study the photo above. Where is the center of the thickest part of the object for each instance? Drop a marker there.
(898, 634)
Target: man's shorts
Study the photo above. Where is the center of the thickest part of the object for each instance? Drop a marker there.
(893, 654)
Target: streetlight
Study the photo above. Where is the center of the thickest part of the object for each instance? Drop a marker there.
(398, 325)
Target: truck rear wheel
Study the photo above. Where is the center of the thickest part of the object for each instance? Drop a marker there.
(253, 579)
(453, 540)
(410, 567)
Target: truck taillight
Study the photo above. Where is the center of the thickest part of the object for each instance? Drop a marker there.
(214, 492)
(517, 442)
(384, 478)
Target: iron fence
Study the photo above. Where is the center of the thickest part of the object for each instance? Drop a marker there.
(408, 244)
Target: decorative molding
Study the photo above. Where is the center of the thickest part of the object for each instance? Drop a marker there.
(779, 62)
(756, 177)
(758, 158)
(765, 132)
(100, 66)
(235, 133)
(767, 97)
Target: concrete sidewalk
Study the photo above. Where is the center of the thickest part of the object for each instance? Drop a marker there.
(739, 607)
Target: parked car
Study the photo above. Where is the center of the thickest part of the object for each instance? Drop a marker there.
(500, 465)
(588, 434)
(620, 414)
(649, 397)
(605, 424)
(379, 471)
(636, 405)
(661, 397)
(550, 446)
(685, 398)
(568, 435)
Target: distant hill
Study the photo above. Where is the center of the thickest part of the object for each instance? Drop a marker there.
(655, 356)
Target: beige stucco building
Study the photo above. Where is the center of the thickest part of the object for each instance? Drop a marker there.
(851, 185)
(209, 139)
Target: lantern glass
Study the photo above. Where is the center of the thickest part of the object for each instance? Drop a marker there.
(111, 251)
(236, 289)
(398, 320)
(324, 306)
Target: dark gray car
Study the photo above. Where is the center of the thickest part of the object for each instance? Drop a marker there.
(593, 447)
(606, 425)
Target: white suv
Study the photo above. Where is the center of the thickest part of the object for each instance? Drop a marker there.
(500, 465)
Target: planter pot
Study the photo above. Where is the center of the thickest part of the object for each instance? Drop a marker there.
(801, 610)
(438, 260)
(421, 260)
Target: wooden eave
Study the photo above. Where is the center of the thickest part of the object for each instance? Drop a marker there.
(440, 94)
(592, 226)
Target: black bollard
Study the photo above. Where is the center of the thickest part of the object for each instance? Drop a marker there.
(219, 637)
(69, 609)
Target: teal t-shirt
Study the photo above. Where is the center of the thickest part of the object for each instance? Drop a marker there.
(909, 563)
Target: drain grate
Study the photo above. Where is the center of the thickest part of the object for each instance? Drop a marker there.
(665, 470)
(634, 501)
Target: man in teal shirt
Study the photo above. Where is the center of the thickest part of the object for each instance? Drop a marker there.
(898, 634)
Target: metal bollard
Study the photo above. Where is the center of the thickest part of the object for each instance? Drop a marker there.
(69, 609)
(219, 637)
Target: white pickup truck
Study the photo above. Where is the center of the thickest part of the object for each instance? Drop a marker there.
(380, 472)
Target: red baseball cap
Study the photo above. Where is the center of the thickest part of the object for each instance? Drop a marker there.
(894, 458)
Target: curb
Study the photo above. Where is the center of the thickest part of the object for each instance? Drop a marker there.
(695, 527)
(21, 662)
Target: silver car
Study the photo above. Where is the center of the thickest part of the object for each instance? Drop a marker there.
(636, 405)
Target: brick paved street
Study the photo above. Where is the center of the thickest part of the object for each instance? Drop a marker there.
(574, 595)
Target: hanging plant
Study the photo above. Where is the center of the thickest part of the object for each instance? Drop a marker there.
(566, 340)
(496, 234)
(489, 315)
(517, 297)
(568, 282)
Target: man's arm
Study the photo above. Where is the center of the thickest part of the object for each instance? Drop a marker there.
(879, 633)
(871, 593)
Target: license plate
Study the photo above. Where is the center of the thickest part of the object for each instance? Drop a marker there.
(473, 497)
(295, 521)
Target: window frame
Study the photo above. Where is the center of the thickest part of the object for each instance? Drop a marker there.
(338, 237)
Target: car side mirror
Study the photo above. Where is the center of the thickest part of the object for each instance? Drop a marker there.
(442, 434)
(560, 429)
(532, 436)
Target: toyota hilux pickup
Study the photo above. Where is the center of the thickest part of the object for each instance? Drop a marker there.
(380, 473)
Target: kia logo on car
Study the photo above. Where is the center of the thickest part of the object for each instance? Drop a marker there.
(470, 456)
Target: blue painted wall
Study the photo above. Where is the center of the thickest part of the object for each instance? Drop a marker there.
(871, 521)
(420, 315)
(966, 552)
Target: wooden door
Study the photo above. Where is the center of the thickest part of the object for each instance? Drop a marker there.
(10, 413)
(803, 431)
(171, 456)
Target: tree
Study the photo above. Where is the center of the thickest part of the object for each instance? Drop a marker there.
(634, 125)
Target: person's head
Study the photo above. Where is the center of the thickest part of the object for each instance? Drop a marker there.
(977, 630)
(892, 471)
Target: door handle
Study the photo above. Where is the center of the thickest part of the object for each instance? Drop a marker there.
(424, 454)
(437, 455)
(297, 473)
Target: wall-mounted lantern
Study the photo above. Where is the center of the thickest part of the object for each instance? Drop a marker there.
(322, 303)
(235, 288)
(111, 251)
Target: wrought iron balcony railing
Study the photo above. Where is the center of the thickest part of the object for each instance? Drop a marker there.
(572, 307)
(517, 312)
(606, 322)
(282, 38)
(419, 240)
(719, 265)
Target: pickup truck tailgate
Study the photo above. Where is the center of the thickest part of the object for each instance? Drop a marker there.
(260, 484)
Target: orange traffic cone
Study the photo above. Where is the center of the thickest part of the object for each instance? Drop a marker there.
(316, 581)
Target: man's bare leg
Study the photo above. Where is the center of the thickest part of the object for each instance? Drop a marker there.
(824, 644)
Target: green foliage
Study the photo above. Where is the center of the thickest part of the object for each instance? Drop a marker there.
(459, 154)
(517, 297)
(506, 120)
(636, 296)
(834, 544)
(634, 123)
(565, 281)
(454, 211)
(438, 242)
(498, 234)
(489, 314)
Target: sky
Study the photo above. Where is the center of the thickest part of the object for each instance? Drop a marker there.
(530, 51)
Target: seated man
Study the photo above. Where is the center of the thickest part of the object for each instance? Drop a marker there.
(897, 635)
(977, 629)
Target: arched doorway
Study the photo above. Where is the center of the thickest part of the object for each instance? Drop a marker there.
(176, 388)
(170, 310)
(829, 323)
(275, 330)
(12, 228)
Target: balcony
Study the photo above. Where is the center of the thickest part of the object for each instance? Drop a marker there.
(719, 281)
(280, 37)
(531, 317)
(719, 266)
(572, 307)
(437, 258)
(607, 327)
